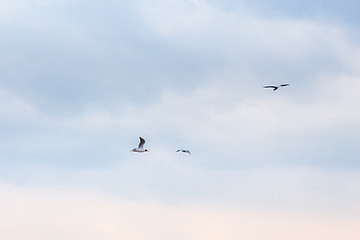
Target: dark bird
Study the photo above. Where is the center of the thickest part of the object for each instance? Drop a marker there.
(277, 87)
(183, 150)
(140, 148)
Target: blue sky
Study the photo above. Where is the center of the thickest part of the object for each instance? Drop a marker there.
(80, 81)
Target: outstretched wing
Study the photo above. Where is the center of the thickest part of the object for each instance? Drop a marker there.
(284, 85)
(271, 87)
(142, 142)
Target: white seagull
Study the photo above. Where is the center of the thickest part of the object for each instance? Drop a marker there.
(140, 148)
(277, 87)
(183, 150)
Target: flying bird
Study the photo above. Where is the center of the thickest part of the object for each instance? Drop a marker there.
(140, 148)
(183, 150)
(277, 87)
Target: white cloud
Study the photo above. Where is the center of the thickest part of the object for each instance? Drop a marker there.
(13, 107)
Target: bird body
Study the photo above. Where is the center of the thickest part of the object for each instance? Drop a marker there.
(277, 87)
(183, 150)
(140, 148)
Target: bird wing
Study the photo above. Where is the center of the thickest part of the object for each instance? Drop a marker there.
(270, 87)
(142, 142)
(186, 151)
(284, 85)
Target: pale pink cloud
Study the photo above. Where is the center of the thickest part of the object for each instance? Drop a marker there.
(28, 213)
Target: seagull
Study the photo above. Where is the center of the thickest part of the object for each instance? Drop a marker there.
(183, 150)
(277, 87)
(140, 148)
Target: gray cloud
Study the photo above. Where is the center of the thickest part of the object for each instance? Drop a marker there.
(72, 54)
(335, 11)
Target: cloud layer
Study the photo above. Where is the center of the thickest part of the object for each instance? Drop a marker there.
(46, 213)
(81, 80)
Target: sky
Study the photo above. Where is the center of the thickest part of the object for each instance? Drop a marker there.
(80, 81)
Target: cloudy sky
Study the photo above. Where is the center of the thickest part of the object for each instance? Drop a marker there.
(81, 80)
